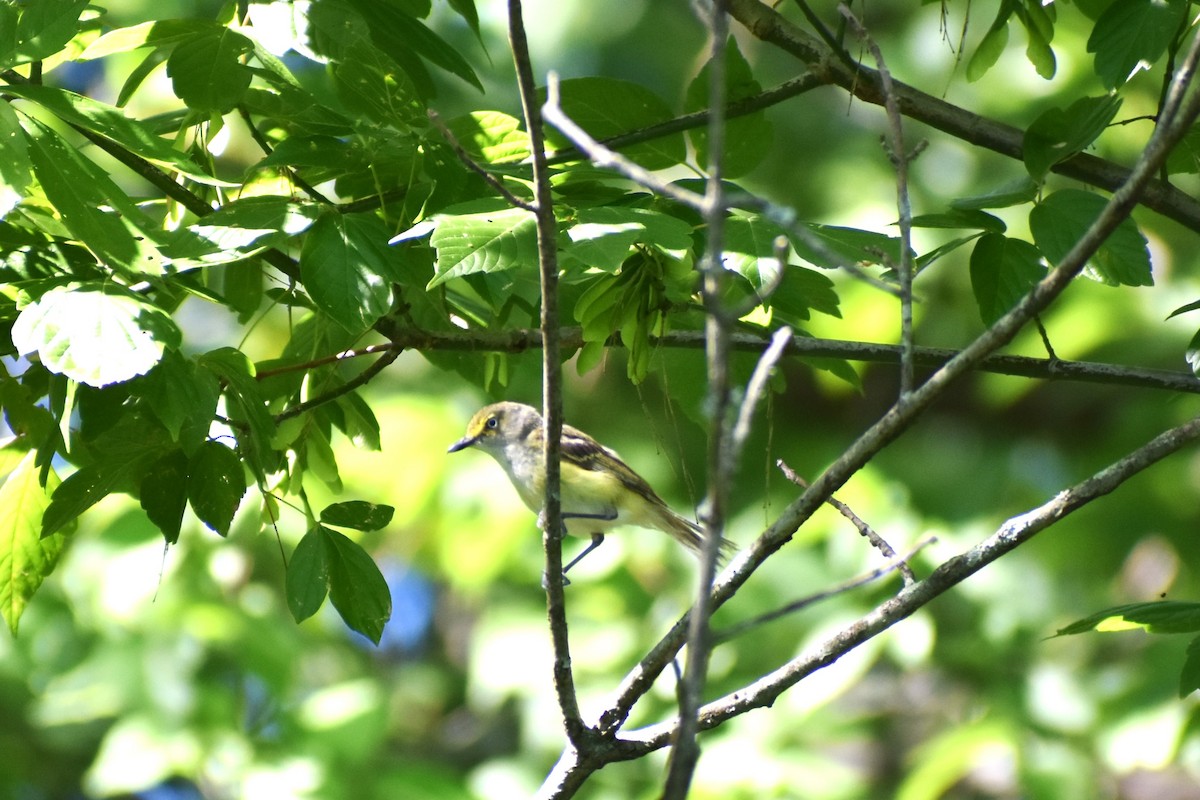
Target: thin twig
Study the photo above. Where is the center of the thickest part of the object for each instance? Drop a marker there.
(264, 145)
(361, 379)
(905, 412)
(755, 387)
(556, 611)
(477, 168)
(1013, 533)
(718, 325)
(899, 159)
(896, 563)
(865, 530)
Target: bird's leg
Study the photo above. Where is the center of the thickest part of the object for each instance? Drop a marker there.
(597, 540)
(597, 537)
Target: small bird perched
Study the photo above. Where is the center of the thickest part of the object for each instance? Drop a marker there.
(599, 491)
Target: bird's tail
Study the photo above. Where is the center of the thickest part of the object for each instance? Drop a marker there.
(691, 535)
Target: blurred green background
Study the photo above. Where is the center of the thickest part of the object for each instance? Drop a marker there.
(180, 674)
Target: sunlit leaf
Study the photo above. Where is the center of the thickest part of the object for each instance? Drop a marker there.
(26, 558)
(483, 242)
(95, 334)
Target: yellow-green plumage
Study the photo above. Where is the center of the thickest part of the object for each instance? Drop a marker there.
(599, 491)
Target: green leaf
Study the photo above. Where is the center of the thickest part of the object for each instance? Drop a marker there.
(1133, 34)
(163, 493)
(750, 248)
(1037, 49)
(237, 372)
(800, 291)
(839, 246)
(345, 272)
(1192, 306)
(356, 587)
(216, 484)
(114, 125)
(399, 34)
(1015, 192)
(96, 334)
(962, 219)
(148, 34)
(490, 241)
(1192, 354)
(371, 83)
(26, 559)
(990, 47)
(42, 29)
(358, 514)
(1189, 676)
(1185, 158)
(1164, 616)
(605, 107)
(85, 198)
(491, 137)
(1058, 134)
(1003, 271)
(15, 174)
(307, 576)
(602, 237)
(182, 397)
(748, 137)
(207, 72)
(253, 222)
(1061, 220)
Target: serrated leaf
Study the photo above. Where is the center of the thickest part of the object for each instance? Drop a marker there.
(1058, 134)
(86, 198)
(307, 576)
(345, 273)
(802, 290)
(1131, 35)
(356, 587)
(95, 334)
(163, 493)
(216, 484)
(750, 242)
(114, 125)
(1061, 220)
(358, 514)
(26, 559)
(491, 241)
(207, 72)
(602, 237)
(606, 107)
(1003, 270)
(252, 222)
(407, 39)
(491, 137)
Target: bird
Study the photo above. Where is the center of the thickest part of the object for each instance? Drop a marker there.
(599, 491)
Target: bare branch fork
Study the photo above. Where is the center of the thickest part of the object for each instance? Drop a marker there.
(1179, 111)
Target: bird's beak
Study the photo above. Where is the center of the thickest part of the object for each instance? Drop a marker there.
(462, 444)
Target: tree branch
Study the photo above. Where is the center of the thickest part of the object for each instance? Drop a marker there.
(864, 83)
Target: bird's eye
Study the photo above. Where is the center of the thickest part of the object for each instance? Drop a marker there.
(492, 423)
